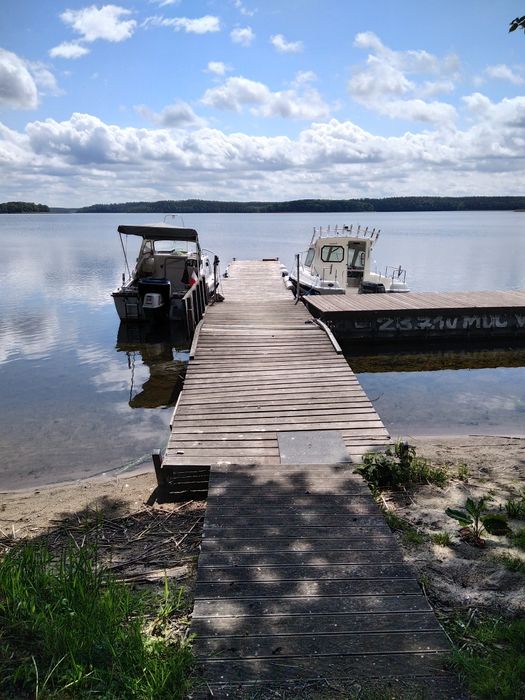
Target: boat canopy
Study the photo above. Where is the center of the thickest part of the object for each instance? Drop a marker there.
(160, 232)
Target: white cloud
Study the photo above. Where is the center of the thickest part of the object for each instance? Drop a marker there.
(68, 49)
(164, 3)
(106, 23)
(242, 35)
(44, 78)
(503, 72)
(217, 67)
(284, 46)
(173, 116)
(81, 159)
(199, 25)
(236, 93)
(383, 84)
(21, 81)
(243, 9)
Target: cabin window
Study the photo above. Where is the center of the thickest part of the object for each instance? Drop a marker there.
(356, 257)
(332, 253)
(309, 257)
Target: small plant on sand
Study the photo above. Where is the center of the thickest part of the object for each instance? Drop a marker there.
(442, 538)
(515, 507)
(518, 538)
(399, 465)
(463, 471)
(475, 519)
(514, 564)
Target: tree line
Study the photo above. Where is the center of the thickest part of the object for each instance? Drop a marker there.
(387, 204)
(22, 207)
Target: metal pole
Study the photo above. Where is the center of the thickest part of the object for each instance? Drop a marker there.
(297, 286)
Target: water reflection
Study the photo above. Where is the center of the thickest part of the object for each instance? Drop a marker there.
(163, 350)
(449, 391)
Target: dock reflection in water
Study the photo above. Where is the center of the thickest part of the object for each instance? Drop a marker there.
(164, 350)
(449, 391)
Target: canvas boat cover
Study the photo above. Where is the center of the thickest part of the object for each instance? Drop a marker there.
(160, 232)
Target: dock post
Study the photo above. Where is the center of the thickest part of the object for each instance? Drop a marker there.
(156, 456)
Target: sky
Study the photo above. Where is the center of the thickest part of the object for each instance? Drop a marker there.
(260, 99)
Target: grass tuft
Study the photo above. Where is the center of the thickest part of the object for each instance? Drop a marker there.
(69, 629)
(518, 538)
(515, 564)
(515, 508)
(442, 538)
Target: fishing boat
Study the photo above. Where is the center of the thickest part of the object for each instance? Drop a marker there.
(339, 261)
(169, 265)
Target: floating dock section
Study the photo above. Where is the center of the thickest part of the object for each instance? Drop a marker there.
(421, 315)
(300, 581)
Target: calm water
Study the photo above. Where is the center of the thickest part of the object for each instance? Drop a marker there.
(80, 396)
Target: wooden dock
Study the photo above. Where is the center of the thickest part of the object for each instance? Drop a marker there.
(421, 315)
(300, 581)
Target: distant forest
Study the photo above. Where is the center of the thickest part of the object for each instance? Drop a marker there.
(198, 206)
(204, 206)
(22, 207)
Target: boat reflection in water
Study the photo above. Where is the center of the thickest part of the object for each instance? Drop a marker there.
(164, 352)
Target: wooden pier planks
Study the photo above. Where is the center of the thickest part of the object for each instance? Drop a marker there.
(301, 581)
(299, 578)
(262, 366)
(418, 301)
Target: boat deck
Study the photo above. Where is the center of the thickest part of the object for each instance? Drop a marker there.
(300, 581)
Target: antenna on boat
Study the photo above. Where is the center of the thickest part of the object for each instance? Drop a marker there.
(313, 236)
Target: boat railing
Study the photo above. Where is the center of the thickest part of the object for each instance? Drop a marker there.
(195, 301)
(396, 272)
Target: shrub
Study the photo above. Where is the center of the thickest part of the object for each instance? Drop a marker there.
(398, 466)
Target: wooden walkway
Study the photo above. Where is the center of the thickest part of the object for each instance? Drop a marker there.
(300, 580)
(422, 315)
(263, 367)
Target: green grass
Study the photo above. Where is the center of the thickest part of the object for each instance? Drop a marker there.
(491, 659)
(518, 538)
(68, 629)
(511, 563)
(409, 533)
(515, 508)
(442, 538)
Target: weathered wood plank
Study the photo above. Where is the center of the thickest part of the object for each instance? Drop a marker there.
(335, 667)
(295, 573)
(288, 607)
(318, 645)
(371, 589)
(258, 559)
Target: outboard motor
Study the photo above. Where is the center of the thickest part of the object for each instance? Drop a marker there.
(155, 295)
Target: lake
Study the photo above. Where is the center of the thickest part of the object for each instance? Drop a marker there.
(82, 396)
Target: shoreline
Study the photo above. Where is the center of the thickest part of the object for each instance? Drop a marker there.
(30, 510)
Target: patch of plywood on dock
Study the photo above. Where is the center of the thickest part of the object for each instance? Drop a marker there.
(300, 580)
(262, 367)
(417, 301)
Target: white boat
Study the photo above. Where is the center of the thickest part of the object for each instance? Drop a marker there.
(170, 262)
(338, 261)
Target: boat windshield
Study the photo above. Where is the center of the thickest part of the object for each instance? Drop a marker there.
(174, 247)
(309, 257)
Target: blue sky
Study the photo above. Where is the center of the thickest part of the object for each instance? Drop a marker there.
(242, 100)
